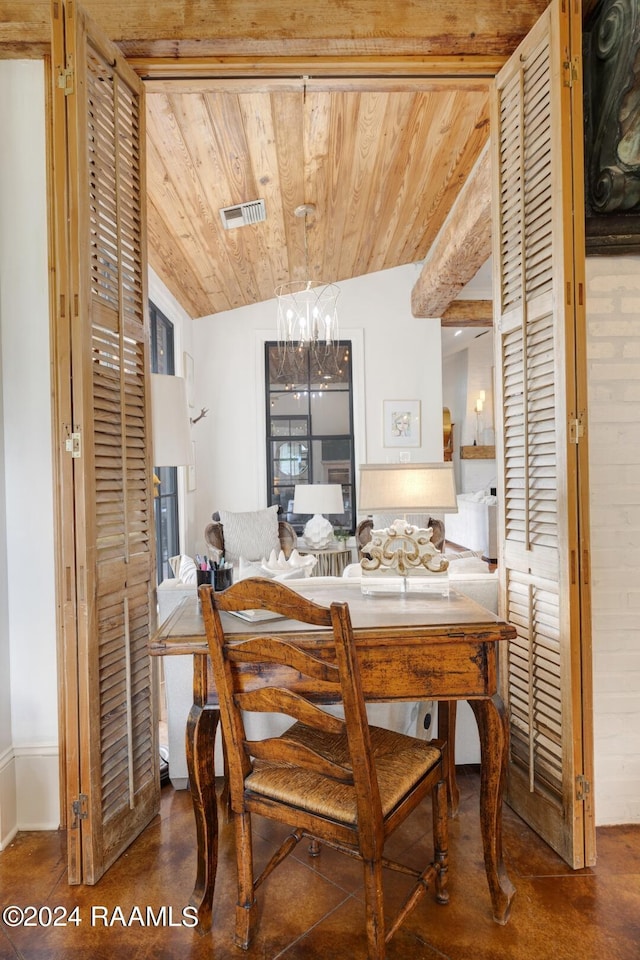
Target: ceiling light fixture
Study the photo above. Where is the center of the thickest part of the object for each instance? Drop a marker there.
(307, 312)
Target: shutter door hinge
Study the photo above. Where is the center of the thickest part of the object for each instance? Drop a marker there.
(570, 72)
(80, 810)
(65, 81)
(73, 445)
(583, 787)
(576, 429)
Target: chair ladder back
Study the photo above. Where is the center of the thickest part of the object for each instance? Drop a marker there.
(284, 750)
(281, 700)
(237, 668)
(262, 593)
(276, 649)
(295, 663)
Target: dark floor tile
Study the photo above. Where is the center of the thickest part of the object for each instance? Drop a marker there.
(568, 918)
(32, 864)
(313, 908)
(7, 951)
(618, 850)
(342, 934)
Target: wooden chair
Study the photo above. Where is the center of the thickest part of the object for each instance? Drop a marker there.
(214, 536)
(342, 782)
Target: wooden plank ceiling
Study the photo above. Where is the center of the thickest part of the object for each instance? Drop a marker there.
(381, 167)
(373, 112)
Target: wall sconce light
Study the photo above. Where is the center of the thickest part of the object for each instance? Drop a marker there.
(479, 422)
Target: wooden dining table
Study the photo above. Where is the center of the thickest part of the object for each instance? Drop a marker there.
(411, 646)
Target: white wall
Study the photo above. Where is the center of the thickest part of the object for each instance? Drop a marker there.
(613, 323)
(454, 397)
(29, 788)
(395, 357)
(182, 344)
(467, 370)
(465, 373)
(8, 816)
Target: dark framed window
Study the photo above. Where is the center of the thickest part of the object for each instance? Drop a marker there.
(166, 492)
(309, 404)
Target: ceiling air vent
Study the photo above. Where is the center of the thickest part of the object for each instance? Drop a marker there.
(243, 214)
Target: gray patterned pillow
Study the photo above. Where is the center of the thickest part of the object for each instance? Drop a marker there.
(251, 535)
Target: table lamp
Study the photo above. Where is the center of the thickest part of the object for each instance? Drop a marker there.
(402, 557)
(318, 498)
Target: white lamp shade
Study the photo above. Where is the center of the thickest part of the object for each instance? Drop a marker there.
(407, 487)
(172, 445)
(318, 498)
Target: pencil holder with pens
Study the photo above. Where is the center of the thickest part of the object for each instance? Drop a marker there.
(204, 576)
(222, 576)
(216, 572)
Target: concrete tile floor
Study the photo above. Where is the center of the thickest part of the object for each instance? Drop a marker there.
(312, 908)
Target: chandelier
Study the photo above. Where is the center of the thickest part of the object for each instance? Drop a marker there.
(307, 314)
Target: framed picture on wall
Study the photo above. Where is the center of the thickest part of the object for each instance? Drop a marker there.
(401, 423)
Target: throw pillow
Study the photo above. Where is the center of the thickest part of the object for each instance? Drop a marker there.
(184, 569)
(251, 535)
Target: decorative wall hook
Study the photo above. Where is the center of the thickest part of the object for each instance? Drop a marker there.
(201, 415)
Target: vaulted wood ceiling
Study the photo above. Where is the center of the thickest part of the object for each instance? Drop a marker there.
(382, 167)
(373, 112)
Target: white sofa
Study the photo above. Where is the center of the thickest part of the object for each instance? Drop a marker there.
(474, 526)
(467, 575)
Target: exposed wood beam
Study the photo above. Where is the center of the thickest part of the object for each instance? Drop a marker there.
(461, 247)
(468, 313)
(432, 28)
(458, 71)
(172, 79)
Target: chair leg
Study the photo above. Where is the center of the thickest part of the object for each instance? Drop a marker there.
(374, 909)
(246, 907)
(440, 840)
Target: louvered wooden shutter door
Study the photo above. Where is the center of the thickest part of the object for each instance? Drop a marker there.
(534, 284)
(114, 516)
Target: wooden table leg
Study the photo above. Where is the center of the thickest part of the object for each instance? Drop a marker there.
(447, 710)
(200, 740)
(492, 727)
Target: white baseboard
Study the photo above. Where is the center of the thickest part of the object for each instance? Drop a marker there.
(37, 787)
(8, 811)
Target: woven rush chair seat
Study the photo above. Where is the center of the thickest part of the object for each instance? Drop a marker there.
(400, 762)
(339, 782)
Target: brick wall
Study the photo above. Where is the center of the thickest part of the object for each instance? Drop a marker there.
(613, 357)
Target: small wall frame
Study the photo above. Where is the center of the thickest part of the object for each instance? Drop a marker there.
(401, 424)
